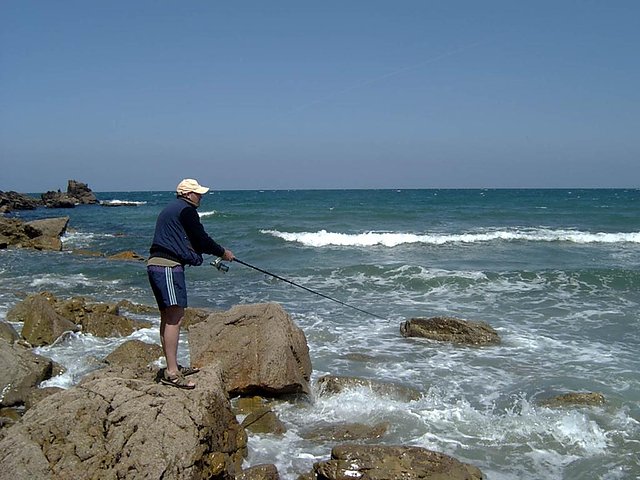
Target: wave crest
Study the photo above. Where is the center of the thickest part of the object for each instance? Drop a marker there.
(322, 238)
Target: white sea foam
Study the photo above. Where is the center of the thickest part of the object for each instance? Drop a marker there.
(82, 239)
(67, 281)
(324, 238)
(207, 214)
(121, 203)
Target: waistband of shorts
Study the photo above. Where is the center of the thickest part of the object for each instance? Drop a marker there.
(160, 268)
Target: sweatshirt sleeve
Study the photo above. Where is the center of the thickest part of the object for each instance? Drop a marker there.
(200, 240)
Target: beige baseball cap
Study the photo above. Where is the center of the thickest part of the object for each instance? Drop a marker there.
(190, 185)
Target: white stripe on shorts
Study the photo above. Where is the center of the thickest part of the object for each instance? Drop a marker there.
(168, 273)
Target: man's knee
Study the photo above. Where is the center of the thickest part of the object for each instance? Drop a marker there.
(173, 315)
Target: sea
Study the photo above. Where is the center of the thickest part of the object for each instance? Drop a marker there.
(556, 272)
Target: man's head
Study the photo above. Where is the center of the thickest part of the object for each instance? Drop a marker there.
(191, 190)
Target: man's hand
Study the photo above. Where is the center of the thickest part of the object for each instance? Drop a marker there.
(228, 255)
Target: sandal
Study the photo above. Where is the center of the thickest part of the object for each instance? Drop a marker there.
(186, 371)
(177, 381)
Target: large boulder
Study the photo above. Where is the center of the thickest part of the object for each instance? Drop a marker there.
(42, 324)
(125, 428)
(448, 329)
(51, 231)
(10, 201)
(376, 462)
(81, 192)
(39, 234)
(21, 372)
(261, 349)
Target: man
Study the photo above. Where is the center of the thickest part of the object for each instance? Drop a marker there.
(179, 240)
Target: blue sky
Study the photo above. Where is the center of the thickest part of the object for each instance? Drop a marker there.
(136, 95)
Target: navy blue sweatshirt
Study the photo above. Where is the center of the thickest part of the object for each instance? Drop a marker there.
(180, 236)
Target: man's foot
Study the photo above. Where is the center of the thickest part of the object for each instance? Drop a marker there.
(177, 381)
(186, 371)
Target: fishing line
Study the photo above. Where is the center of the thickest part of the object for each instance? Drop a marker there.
(220, 266)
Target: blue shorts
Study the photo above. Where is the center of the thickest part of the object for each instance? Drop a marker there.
(168, 285)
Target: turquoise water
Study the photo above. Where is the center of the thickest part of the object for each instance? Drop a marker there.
(555, 272)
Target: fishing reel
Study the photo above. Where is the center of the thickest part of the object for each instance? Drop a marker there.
(219, 265)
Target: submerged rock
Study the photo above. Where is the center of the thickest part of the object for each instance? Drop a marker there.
(330, 384)
(376, 462)
(264, 420)
(574, 399)
(347, 431)
(448, 329)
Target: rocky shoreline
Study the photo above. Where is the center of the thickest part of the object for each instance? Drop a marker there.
(120, 422)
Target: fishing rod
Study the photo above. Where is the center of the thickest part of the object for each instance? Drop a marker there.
(224, 268)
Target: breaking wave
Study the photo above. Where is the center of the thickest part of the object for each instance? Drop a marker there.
(322, 238)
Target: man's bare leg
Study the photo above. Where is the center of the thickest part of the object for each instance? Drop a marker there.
(170, 321)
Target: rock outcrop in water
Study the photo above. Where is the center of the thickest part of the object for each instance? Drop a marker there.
(46, 318)
(42, 234)
(77, 193)
(331, 384)
(377, 462)
(448, 329)
(10, 201)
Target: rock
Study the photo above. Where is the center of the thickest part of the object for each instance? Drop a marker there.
(38, 394)
(104, 324)
(99, 319)
(193, 316)
(137, 307)
(128, 255)
(134, 353)
(260, 348)
(246, 405)
(10, 201)
(58, 199)
(265, 471)
(330, 384)
(376, 462)
(42, 325)
(14, 232)
(21, 372)
(81, 192)
(264, 421)
(447, 329)
(347, 431)
(124, 428)
(39, 234)
(8, 333)
(51, 231)
(50, 227)
(574, 399)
